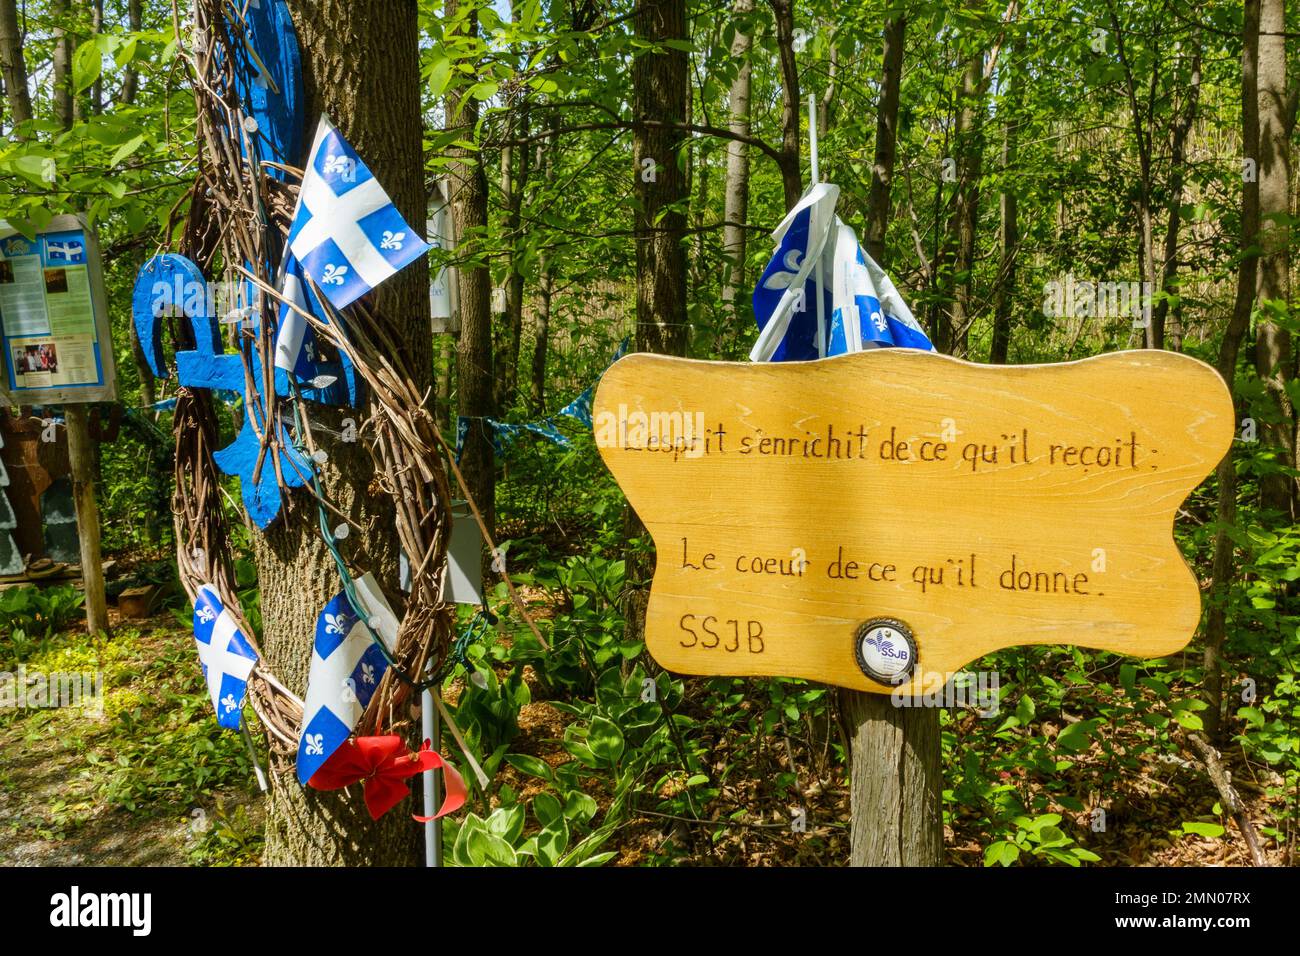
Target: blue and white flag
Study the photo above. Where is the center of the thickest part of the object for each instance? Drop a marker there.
(293, 332)
(866, 310)
(346, 232)
(346, 666)
(70, 251)
(785, 299)
(580, 407)
(225, 655)
(821, 294)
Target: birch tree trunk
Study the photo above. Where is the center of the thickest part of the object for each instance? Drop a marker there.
(13, 65)
(1273, 342)
(736, 193)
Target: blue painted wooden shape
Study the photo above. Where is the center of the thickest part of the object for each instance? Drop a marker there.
(269, 81)
(162, 287)
(208, 366)
(263, 497)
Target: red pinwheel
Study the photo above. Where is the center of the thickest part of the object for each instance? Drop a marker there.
(384, 764)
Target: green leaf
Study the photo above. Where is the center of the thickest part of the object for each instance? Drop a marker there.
(547, 808)
(126, 149)
(533, 766)
(605, 740)
(439, 76)
(1203, 829)
(1076, 736)
(552, 842)
(1002, 853)
(87, 64)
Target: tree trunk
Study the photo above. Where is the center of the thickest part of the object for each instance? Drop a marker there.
(1009, 213)
(1222, 571)
(791, 177)
(1272, 340)
(62, 65)
(659, 93)
(897, 782)
(736, 192)
(97, 88)
(825, 106)
(14, 65)
(968, 148)
(514, 183)
(474, 372)
(356, 54)
(659, 86)
(545, 285)
(882, 169)
(1154, 336)
(1177, 172)
(131, 78)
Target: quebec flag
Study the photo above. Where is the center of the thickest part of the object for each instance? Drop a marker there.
(866, 310)
(785, 299)
(346, 665)
(225, 655)
(822, 295)
(346, 232)
(293, 332)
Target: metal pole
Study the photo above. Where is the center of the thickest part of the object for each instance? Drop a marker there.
(431, 726)
(818, 271)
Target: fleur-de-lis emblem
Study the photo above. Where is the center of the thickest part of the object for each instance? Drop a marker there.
(783, 280)
(367, 673)
(349, 691)
(315, 745)
(345, 166)
(206, 615)
(392, 240)
(879, 319)
(334, 274)
(337, 624)
(229, 702)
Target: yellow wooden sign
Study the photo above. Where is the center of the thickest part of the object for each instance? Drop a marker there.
(899, 514)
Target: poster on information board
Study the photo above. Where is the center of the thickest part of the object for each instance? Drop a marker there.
(54, 317)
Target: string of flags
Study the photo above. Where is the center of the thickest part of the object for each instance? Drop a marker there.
(503, 434)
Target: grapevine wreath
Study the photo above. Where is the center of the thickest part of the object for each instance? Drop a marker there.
(235, 221)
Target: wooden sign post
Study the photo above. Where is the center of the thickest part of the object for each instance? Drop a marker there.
(879, 520)
(58, 350)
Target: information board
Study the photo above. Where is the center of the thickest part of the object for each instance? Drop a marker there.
(54, 316)
(880, 520)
